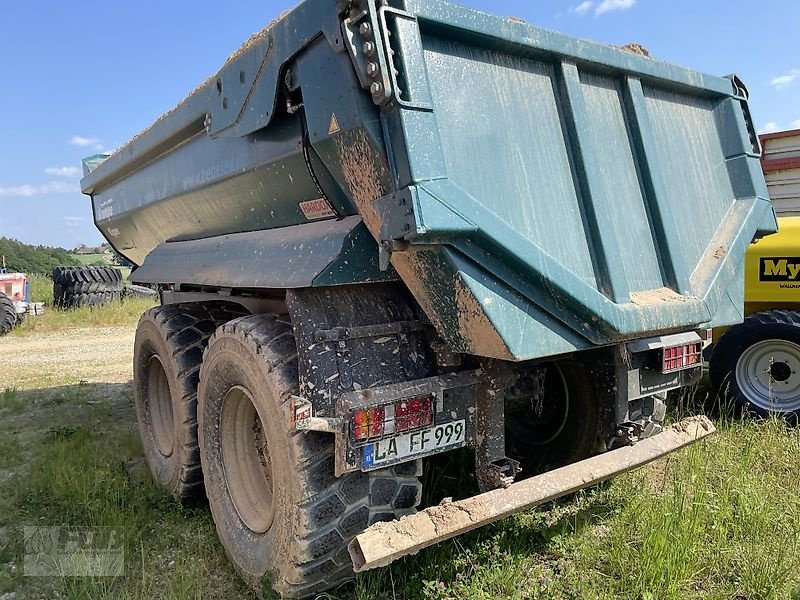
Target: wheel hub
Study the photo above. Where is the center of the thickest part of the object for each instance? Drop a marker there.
(768, 375)
(780, 372)
(246, 461)
(160, 407)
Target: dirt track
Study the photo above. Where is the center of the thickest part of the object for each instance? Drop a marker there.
(94, 355)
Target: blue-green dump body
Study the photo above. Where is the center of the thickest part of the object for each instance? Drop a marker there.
(536, 193)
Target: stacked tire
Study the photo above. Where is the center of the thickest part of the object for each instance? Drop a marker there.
(86, 286)
(139, 292)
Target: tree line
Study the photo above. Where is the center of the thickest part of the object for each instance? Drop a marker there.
(25, 258)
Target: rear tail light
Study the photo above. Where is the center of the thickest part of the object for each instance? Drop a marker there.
(369, 423)
(400, 417)
(413, 414)
(678, 358)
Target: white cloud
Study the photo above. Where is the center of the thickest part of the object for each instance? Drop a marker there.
(29, 191)
(78, 140)
(74, 221)
(795, 124)
(770, 127)
(611, 5)
(583, 7)
(785, 80)
(63, 171)
(601, 6)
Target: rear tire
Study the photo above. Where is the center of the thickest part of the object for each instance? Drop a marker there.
(8, 314)
(169, 346)
(282, 516)
(758, 364)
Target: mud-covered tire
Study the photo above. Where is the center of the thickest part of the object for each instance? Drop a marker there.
(758, 364)
(288, 533)
(168, 350)
(8, 315)
(85, 286)
(138, 291)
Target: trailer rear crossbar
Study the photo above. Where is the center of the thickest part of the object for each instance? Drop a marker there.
(384, 543)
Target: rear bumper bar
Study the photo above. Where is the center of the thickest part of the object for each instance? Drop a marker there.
(384, 543)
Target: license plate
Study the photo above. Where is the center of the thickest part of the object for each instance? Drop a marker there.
(424, 441)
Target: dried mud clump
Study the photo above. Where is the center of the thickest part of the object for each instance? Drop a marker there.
(635, 48)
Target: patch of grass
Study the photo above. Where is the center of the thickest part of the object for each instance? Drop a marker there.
(41, 289)
(718, 520)
(115, 313)
(90, 260)
(11, 401)
(76, 477)
(10, 451)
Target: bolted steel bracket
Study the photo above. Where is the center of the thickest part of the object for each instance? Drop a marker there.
(362, 34)
(396, 214)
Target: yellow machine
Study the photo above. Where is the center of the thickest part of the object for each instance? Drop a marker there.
(758, 362)
(773, 270)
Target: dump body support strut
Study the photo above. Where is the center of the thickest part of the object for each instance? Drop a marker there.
(383, 543)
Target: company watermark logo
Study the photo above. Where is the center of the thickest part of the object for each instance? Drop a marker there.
(74, 552)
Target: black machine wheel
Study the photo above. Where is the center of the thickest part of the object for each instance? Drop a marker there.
(552, 417)
(8, 314)
(758, 363)
(282, 516)
(82, 286)
(169, 346)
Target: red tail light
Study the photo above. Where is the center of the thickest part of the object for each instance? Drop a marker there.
(400, 417)
(413, 414)
(678, 358)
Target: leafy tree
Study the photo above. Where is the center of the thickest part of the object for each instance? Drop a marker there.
(25, 258)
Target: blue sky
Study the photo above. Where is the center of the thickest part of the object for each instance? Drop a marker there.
(78, 78)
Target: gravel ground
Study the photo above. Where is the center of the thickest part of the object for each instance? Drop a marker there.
(93, 355)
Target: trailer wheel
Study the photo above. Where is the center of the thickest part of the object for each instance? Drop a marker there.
(282, 516)
(8, 314)
(168, 351)
(758, 363)
(556, 425)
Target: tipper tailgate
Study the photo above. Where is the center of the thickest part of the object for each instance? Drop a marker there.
(572, 183)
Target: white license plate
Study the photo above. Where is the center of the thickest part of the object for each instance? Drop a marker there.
(417, 442)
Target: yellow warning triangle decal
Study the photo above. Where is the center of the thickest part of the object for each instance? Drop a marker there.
(334, 128)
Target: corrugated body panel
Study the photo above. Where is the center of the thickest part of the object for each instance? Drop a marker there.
(620, 189)
(784, 190)
(513, 142)
(693, 165)
(784, 147)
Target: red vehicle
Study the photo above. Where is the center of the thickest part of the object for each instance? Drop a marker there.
(14, 297)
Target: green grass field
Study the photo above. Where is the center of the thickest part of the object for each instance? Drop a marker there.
(90, 259)
(720, 520)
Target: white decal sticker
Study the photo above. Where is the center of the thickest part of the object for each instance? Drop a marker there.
(113, 232)
(105, 210)
(317, 209)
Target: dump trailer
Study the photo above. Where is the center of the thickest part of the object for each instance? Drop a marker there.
(386, 230)
(758, 361)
